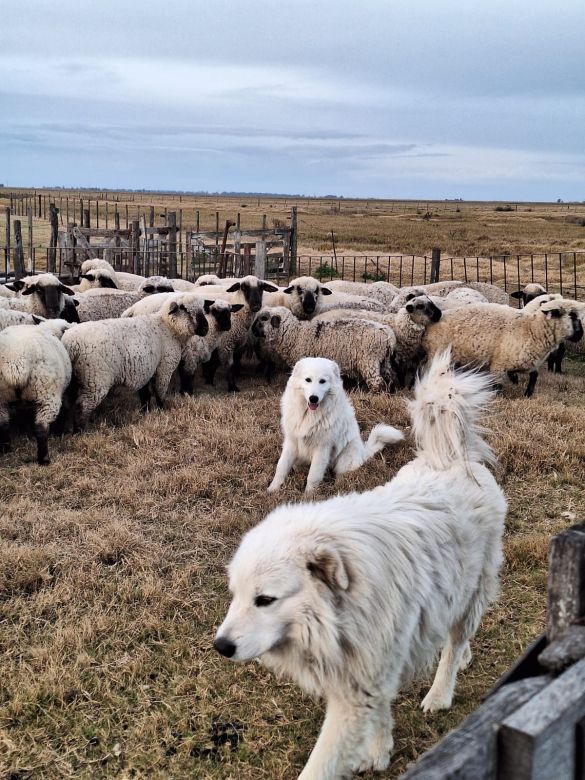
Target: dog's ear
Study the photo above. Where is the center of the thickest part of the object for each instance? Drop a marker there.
(327, 565)
(336, 371)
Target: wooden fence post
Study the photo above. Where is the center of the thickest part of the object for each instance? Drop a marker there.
(135, 246)
(172, 243)
(7, 261)
(19, 271)
(86, 219)
(260, 259)
(30, 239)
(293, 241)
(566, 581)
(52, 255)
(435, 265)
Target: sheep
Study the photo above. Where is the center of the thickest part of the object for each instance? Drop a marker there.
(460, 296)
(100, 304)
(363, 349)
(131, 352)
(384, 292)
(200, 349)
(305, 298)
(502, 339)
(43, 295)
(123, 279)
(9, 318)
(528, 293)
(35, 369)
(96, 278)
(206, 279)
(408, 324)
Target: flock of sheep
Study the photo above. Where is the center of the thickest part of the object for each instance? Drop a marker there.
(62, 349)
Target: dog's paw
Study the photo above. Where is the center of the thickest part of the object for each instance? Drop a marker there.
(376, 755)
(435, 701)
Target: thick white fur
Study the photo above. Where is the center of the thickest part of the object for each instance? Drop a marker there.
(329, 436)
(368, 587)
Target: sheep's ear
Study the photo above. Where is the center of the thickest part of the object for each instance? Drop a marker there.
(234, 288)
(173, 307)
(436, 313)
(267, 287)
(37, 320)
(326, 291)
(289, 290)
(207, 305)
(33, 288)
(518, 294)
(148, 289)
(105, 281)
(275, 320)
(202, 284)
(410, 296)
(75, 301)
(327, 565)
(237, 306)
(16, 285)
(89, 277)
(66, 290)
(554, 314)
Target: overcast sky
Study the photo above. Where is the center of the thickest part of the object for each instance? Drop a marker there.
(370, 98)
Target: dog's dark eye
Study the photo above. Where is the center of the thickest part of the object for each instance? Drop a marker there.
(308, 379)
(264, 601)
(321, 381)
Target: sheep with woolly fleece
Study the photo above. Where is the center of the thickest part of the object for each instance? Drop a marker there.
(199, 349)
(306, 297)
(123, 279)
(6, 292)
(103, 304)
(408, 323)
(34, 369)
(528, 293)
(504, 340)
(140, 353)
(96, 278)
(363, 349)
(384, 292)
(43, 295)
(8, 318)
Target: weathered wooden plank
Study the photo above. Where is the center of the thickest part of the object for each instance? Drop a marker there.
(172, 243)
(19, 271)
(83, 242)
(90, 232)
(566, 581)
(568, 648)
(469, 752)
(538, 740)
(260, 260)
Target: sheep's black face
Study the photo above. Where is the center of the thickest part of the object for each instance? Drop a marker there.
(308, 300)
(577, 328)
(50, 296)
(252, 295)
(201, 324)
(223, 317)
(261, 325)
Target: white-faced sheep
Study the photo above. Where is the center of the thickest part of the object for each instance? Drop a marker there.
(504, 340)
(362, 349)
(35, 370)
(140, 353)
(43, 295)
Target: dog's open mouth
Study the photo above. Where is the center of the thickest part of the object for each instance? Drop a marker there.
(313, 406)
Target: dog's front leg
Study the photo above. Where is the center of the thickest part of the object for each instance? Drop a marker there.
(340, 737)
(321, 458)
(285, 463)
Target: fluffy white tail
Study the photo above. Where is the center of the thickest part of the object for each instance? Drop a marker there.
(379, 437)
(445, 411)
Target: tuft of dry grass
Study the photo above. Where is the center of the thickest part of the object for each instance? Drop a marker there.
(112, 582)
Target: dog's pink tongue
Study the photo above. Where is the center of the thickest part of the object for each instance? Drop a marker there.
(312, 406)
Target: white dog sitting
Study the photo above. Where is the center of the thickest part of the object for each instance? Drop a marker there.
(353, 596)
(319, 425)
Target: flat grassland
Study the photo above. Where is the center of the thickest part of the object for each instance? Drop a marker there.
(112, 581)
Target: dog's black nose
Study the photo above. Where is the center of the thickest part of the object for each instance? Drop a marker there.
(313, 399)
(224, 646)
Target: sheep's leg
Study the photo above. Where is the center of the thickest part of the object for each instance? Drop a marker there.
(42, 437)
(532, 377)
(85, 405)
(145, 393)
(187, 378)
(555, 360)
(513, 377)
(373, 379)
(4, 430)
(210, 367)
(319, 463)
(46, 413)
(285, 463)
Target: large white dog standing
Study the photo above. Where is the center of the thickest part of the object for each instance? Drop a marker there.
(353, 596)
(319, 425)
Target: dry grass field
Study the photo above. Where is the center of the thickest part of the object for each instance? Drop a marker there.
(112, 582)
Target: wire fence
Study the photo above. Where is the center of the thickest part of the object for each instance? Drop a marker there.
(562, 272)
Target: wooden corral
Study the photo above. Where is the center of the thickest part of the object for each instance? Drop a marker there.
(532, 725)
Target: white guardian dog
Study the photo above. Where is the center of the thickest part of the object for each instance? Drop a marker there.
(353, 596)
(319, 425)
